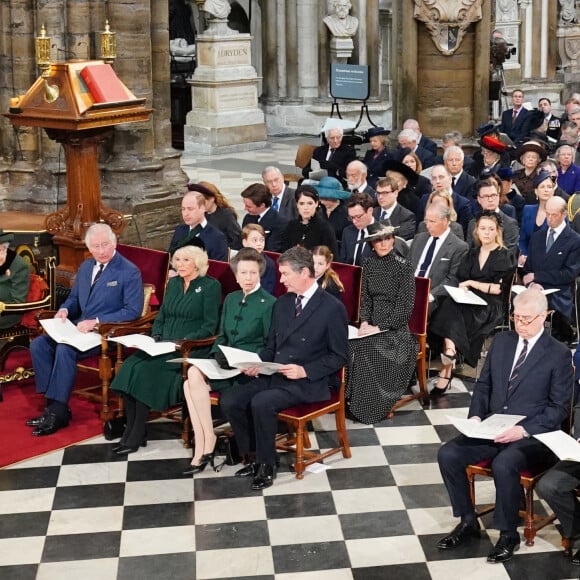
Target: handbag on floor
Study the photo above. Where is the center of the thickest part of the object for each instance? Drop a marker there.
(227, 448)
(114, 428)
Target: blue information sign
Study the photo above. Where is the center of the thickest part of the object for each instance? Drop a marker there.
(349, 81)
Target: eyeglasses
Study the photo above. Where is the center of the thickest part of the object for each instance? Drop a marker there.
(384, 192)
(356, 218)
(102, 246)
(527, 320)
(490, 196)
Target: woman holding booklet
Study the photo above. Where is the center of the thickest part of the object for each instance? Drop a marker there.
(381, 365)
(190, 310)
(487, 271)
(245, 324)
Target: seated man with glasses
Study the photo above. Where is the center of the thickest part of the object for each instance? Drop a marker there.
(527, 373)
(360, 212)
(108, 288)
(488, 199)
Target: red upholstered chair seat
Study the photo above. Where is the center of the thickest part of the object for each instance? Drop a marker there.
(305, 409)
(486, 464)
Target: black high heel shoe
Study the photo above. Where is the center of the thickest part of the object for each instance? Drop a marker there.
(119, 445)
(438, 391)
(196, 468)
(449, 359)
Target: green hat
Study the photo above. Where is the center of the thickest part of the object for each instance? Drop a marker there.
(5, 237)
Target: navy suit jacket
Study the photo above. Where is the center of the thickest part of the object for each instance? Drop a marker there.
(401, 218)
(428, 144)
(336, 165)
(519, 130)
(348, 244)
(274, 225)
(216, 244)
(117, 295)
(542, 391)
(464, 185)
(376, 167)
(316, 340)
(462, 207)
(557, 268)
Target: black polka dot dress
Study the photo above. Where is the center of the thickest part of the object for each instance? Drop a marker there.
(381, 365)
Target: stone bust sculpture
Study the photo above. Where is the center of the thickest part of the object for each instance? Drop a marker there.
(338, 21)
(217, 8)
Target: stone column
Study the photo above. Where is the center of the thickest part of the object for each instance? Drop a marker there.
(308, 24)
(544, 40)
(508, 21)
(281, 48)
(292, 79)
(529, 40)
(270, 60)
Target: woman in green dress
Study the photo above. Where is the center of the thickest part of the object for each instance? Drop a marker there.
(14, 279)
(245, 325)
(190, 310)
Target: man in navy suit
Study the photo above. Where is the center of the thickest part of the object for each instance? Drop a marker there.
(258, 204)
(309, 338)
(515, 121)
(422, 141)
(461, 181)
(360, 212)
(108, 288)
(554, 262)
(528, 373)
(391, 212)
(197, 226)
(282, 196)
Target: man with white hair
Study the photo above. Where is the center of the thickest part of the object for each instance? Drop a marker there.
(282, 196)
(334, 156)
(422, 141)
(461, 182)
(407, 139)
(108, 288)
(356, 179)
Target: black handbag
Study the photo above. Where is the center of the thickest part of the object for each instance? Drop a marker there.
(114, 428)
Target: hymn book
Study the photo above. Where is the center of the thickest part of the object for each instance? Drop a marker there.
(563, 446)
(243, 359)
(489, 428)
(208, 367)
(65, 332)
(146, 344)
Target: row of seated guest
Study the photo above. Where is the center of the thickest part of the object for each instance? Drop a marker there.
(14, 279)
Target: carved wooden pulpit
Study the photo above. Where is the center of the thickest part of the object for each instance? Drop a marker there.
(65, 108)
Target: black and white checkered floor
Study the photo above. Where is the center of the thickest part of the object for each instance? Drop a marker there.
(83, 512)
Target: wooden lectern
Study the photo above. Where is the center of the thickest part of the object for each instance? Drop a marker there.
(63, 106)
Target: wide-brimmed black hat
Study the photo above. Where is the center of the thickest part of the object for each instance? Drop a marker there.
(377, 231)
(5, 237)
(404, 170)
(376, 131)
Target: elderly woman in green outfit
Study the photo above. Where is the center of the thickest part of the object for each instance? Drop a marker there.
(245, 324)
(14, 280)
(190, 310)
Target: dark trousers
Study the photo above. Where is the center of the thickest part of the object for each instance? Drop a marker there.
(251, 410)
(507, 463)
(136, 414)
(558, 487)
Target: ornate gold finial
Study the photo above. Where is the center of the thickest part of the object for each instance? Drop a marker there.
(108, 44)
(43, 52)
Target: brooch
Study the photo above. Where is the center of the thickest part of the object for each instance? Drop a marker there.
(198, 289)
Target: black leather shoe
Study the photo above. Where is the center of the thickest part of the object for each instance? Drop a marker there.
(192, 469)
(249, 470)
(265, 476)
(576, 558)
(118, 446)
(50, 425)
(36, 421)
(125, 450)
(460, 534)
(504, 549)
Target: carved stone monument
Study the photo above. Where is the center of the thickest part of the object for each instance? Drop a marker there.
(342, 27)
(225, 114)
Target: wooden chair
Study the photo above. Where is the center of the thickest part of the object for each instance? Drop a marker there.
(303, 158)
(528, 481)
(154, 266)
(418, 327)
(297, 418)
(41, 294)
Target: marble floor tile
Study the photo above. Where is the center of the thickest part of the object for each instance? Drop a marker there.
(17, 551)
(416, 474)
(167, 540)
(92, 474)
(26, 500)
(230, 510)
(350, 501)
(101, 569)
(85, 521)
(385, 551)
(234, 563)
(304, 530)
(149, 492)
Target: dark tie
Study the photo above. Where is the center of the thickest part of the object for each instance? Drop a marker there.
(453, 182)
(275, 202)
(98, 274)
(514, 115)
(519, 363)
(358, 248)
(428, 258)
(298, 305)
(383, 215)
(550, 240)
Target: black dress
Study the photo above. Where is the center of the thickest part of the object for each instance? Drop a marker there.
(317, 232)
(381, 365)
(468, 326)
(224, 219)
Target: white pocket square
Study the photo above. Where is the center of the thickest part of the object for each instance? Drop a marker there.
(445, 259)
(112, 283)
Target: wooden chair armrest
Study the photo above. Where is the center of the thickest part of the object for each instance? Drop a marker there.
(44, 314)
(132, 326)
(186, 345)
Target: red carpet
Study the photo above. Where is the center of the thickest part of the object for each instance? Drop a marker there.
(20, 403)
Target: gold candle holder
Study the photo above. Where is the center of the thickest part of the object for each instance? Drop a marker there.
(43, 52)
(108, 44)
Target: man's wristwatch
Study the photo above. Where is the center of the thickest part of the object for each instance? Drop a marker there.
(526, 434)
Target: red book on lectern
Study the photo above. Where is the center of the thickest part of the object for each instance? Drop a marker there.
(104, 85)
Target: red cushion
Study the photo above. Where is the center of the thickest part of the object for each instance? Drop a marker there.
(215, 396)
(36, 291)
(486, 464)
(308, 408)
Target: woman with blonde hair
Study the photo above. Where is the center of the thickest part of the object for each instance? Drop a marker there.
(326, 277)
(423, 185)
(190, 310)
